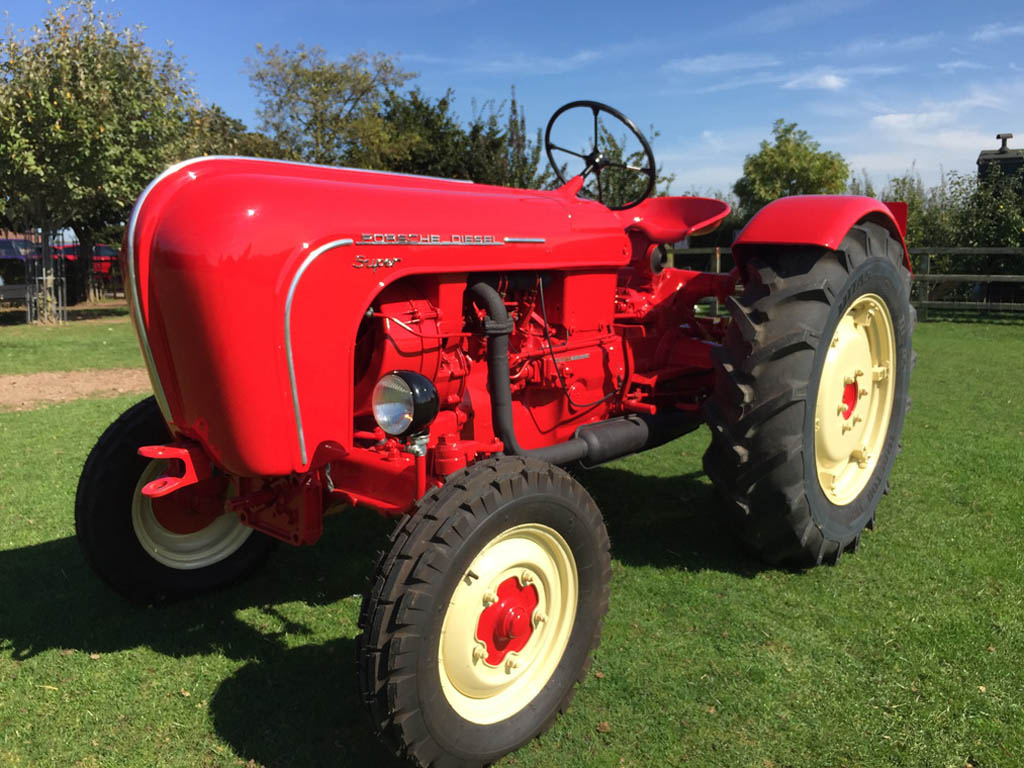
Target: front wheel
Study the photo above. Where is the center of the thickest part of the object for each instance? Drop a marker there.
(482, 616)
(151, 550)
(810, 395)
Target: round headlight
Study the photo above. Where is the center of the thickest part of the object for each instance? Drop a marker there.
(404, 402)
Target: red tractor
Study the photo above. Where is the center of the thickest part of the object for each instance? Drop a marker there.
(436, 350)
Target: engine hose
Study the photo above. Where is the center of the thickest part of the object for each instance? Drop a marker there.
(600, 441)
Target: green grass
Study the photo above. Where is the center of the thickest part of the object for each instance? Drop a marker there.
(106, 342)
(907, 654)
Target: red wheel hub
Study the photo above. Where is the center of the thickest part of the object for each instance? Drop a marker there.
(192, 508)
(849, 399)
(507, 625)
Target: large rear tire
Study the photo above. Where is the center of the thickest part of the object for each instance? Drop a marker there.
(152, 550)
(810, 395)
(481, 617)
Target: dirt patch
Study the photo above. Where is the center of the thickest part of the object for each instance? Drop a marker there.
(23, 392)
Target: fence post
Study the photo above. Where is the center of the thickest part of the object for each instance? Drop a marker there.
(925, 292)
(716, 267)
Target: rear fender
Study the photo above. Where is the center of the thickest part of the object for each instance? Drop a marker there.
(814, 220)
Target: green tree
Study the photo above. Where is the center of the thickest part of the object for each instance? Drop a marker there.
(211, 131)
(418, 135)
(861, 185)
(930, 212)
(522, 166)
(792, 164)
(319, 110)
(425, 136)
(88, 115)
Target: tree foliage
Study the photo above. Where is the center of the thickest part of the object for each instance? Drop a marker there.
(355, 113)
(961, 211)
(88, 115)
(209, 130)
(791, 164)
(319, 110)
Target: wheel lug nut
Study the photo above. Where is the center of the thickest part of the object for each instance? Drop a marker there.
(539, 618)
(479, 654)
(841, 409)
(510, 665)
(849, 380)
(526, 577)
(490, 597)
(862, 393)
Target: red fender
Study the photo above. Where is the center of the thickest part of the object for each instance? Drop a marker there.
(821, 220)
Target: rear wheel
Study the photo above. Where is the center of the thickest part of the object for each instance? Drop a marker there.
(810, 395)
(482, 616)
(148, 549)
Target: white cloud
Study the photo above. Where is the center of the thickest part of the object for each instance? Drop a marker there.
(953, 66)
(823, 81)
(875, 45)
(723, 62)
(998, 31)
(755, 78)
(527, 63)
(795, 14)
(912, 121)
(815, 79)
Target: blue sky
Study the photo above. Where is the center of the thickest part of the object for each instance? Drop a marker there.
(886, 84)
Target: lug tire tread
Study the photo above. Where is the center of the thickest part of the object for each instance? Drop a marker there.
(419, 544)
(755, 458)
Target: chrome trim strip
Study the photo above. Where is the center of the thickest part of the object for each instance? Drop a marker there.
(525, 240)
(288, 333)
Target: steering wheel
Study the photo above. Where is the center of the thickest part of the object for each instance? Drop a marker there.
(596, 161)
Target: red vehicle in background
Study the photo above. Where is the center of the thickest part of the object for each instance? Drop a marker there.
(435, 351)
(106, 270)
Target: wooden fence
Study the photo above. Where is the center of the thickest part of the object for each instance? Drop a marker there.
(973, 290)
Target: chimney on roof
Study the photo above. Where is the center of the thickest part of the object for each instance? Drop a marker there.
(1006, 161)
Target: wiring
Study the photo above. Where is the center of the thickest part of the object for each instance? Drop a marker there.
(551, 351)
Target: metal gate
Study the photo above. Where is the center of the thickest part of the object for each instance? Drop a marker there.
(46, 291)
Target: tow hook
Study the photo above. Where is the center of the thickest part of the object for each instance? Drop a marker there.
(194, 459)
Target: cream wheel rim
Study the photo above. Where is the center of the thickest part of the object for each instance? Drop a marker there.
(183, 551)
(855, 396)
(481, 684)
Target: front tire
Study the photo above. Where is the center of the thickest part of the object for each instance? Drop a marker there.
(810, 395)
(152, 550)
(481, 618)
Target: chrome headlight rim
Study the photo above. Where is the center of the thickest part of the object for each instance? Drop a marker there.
(416, 398)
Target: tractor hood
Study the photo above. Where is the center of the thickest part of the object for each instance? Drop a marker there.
(248, 279)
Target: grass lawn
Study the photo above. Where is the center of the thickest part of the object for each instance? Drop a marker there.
(908, 653)
(107, 340)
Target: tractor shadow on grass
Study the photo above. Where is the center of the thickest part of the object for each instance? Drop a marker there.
(52, 600)
(667, 522)
(299, 707)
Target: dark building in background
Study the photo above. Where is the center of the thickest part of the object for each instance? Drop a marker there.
(1009, 161)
